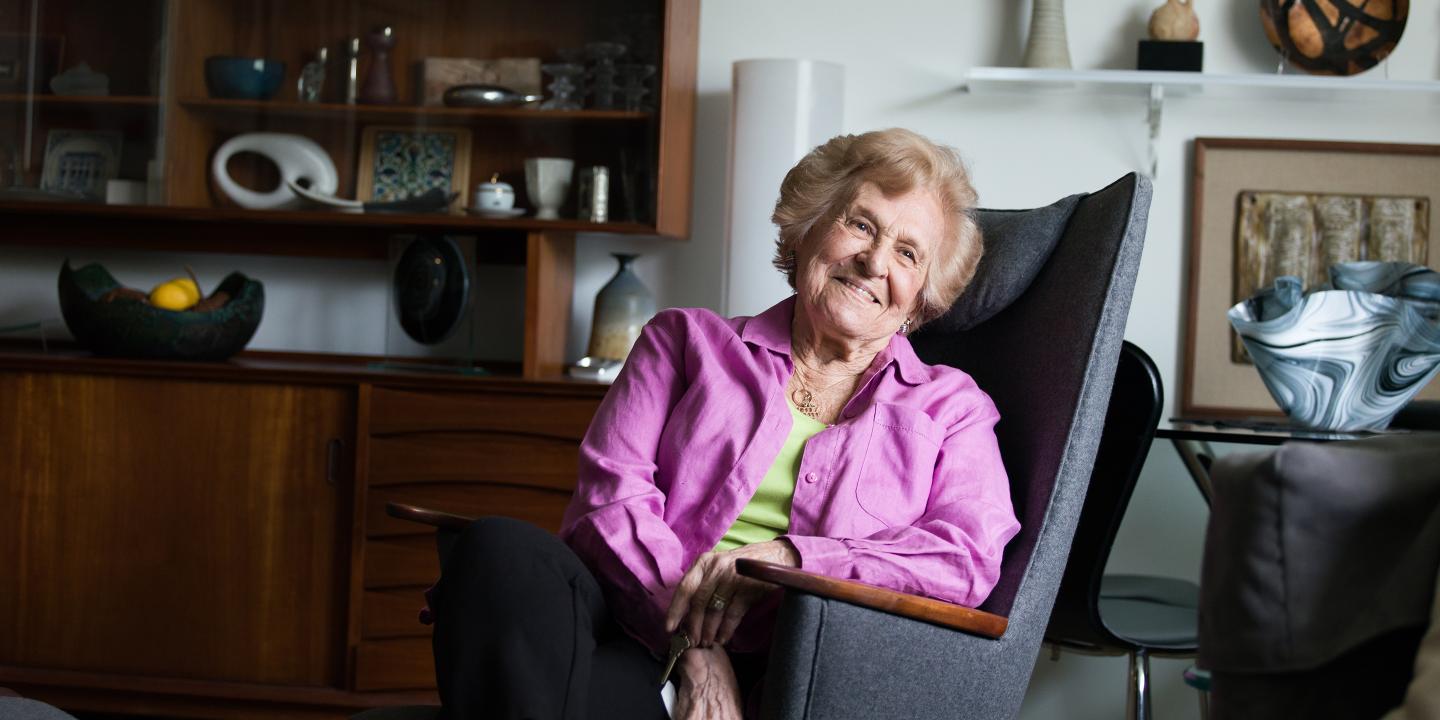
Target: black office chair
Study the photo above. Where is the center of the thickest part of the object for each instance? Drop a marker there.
(1135, 615)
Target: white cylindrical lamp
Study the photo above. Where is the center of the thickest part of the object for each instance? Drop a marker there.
(780, 110)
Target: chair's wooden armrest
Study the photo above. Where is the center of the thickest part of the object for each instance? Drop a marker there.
(950, 615)
(441, 520)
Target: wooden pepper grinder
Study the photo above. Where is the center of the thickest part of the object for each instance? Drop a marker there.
(379, 87)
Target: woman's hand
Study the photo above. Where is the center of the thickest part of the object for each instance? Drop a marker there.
(712, 598)
(708, 689)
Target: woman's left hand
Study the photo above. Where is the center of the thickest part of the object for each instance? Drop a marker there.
(712, 598)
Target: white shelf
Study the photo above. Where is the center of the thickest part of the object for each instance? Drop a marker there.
(1140, 82)
(1157, 86)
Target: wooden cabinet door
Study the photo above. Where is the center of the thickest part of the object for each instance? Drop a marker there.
(174, 528)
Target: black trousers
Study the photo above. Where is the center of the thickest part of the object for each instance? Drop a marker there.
(522, 631)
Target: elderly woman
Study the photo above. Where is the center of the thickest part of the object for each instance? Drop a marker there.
(809, 435)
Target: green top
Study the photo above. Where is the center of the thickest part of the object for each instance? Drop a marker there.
(767, 515)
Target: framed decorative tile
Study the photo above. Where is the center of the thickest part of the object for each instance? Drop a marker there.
(397, 163)
(80, 161)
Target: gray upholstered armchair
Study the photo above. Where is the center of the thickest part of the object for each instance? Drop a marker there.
(1040, 330)
(1047, 358)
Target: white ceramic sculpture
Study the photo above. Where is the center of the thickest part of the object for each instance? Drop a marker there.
(548, 182)
(297, 157)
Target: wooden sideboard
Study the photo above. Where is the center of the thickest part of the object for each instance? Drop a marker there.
(206, 540)
(209, 540)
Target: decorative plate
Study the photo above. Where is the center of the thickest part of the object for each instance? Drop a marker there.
(320, 198)
(80, 161)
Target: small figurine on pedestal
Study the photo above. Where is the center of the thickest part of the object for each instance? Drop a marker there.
(1172, 44)
(379, 87)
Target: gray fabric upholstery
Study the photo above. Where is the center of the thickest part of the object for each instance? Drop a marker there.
(14, 708)
(1048, 360)
(1017, 244)
(1314, 549)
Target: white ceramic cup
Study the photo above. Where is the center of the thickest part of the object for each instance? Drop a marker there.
(494, 196)
(547, 180)
(124, 192)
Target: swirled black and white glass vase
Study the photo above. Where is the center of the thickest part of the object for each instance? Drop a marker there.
(1347, 357)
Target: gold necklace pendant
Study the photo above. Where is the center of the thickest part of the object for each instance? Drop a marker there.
(805, 402)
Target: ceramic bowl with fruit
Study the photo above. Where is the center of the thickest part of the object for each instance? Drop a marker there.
(174, 321)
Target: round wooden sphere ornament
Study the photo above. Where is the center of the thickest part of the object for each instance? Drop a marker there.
(1334, 37)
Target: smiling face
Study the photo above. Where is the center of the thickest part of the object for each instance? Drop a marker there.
(859, 276)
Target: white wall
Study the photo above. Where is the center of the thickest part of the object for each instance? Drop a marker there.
(904, 66)
(904, 62)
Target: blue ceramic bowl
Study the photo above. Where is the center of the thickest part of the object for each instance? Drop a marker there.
(243, 78)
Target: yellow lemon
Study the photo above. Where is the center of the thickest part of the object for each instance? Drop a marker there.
(170, 296)
(191, 289)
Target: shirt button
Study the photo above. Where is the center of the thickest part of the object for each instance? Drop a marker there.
(811, 477)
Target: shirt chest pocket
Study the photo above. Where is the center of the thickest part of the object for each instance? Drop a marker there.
(894, 481)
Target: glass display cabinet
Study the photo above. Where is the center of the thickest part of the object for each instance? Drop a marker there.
(316, 129)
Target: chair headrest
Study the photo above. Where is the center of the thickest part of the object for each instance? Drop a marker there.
(1017, 244)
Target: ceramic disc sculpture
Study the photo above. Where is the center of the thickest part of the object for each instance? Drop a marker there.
(1334, 37)
(431, 289)
(1347, 357)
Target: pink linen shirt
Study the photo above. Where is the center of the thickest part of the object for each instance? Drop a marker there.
(906, 491)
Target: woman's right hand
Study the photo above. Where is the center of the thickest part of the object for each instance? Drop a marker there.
(708, 688)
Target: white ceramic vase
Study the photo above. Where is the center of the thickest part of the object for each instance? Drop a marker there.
(547, 180)
(1047, 46)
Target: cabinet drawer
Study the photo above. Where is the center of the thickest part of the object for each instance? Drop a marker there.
(405, 411)
(393, 613)
(405, 561)
(479, 456)
(400, 664)
(540, 506)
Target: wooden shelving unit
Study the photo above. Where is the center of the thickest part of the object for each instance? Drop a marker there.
(208, 539)
(407, 113)
(95, 101)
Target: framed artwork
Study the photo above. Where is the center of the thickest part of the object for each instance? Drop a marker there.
(1265, 208)
(397, 163)
(79, 162)
(15, 54)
